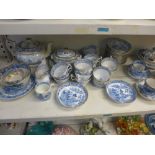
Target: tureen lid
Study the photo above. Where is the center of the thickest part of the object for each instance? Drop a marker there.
(29, 44)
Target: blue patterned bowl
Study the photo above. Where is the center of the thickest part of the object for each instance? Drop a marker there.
(15, 75)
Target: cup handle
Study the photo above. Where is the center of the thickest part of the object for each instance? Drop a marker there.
(97, 62)
(69, 68)
(73, 77)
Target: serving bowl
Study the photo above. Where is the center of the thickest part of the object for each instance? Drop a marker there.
(16, 74)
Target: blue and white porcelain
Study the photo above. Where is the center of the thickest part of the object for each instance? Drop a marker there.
(109, 63)
(71, 95)
(145, 89)
(16, 74)
(30, 52)
(83, 66)
(81, 78)
(94, 58)
(101, 75)
(150, 122)
(121, 92)
(43, 91)
(14, 92)
(90, 49)
(61, 72)
(65, 55)
(119, 49)
(138, 70)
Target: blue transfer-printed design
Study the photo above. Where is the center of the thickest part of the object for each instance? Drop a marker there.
(121, 91)
(65, 53)
(44, 97)
(150, 122)
(138, 74)
(119, 44)
(14, 67)
(72, 94)
(15, 92)
(146, 91)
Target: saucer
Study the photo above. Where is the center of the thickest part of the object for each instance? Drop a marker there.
(14, 92)
(71, 95)
(121, 92)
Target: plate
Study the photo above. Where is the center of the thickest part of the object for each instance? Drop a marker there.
(150, 122)
(71, 95)
(120, 91)
(138, 75)
(14, 92)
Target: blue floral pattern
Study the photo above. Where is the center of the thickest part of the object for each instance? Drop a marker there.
(72, 94)
(150, 122)
(121, 91)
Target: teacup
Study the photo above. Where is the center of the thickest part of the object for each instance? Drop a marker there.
(61, 71)
(94, 58)
(138, 66)
(101, 76)
(43, 91)
(109, 63)
(81, 78)
(83, 66)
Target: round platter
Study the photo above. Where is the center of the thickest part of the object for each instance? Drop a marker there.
(121, 92)
(71, 95)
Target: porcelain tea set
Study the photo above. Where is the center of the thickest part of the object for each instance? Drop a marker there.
(71, 71)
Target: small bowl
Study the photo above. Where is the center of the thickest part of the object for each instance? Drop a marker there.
(16, 74)
(109, 63)
(43, 91)
(101, 76)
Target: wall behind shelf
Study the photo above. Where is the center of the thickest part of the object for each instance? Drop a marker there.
(78, 41)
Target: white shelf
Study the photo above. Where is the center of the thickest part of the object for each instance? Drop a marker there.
(117, 27)
(29, 108)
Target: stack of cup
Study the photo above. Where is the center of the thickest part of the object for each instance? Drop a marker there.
(83, 71)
